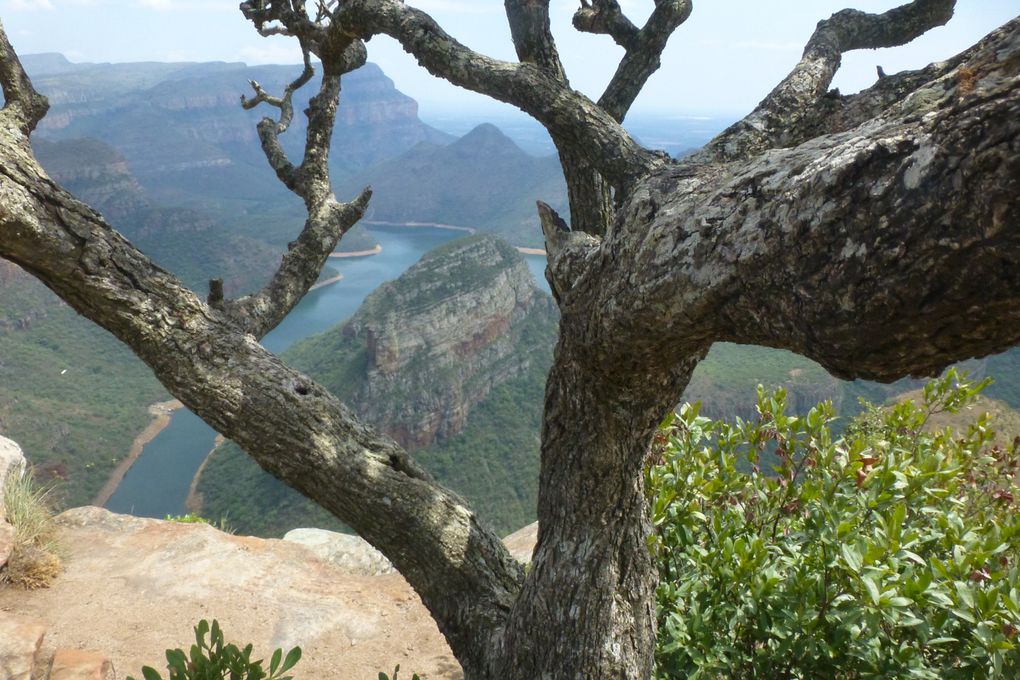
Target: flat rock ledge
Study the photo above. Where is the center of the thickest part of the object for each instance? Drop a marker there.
(133, 587)
(349, 553)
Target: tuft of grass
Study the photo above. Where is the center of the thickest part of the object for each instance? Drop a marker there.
(35, 560)
(193, 518)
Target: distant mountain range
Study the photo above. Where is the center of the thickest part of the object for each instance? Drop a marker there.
(179, 134)
(482, 180)
(182, 130)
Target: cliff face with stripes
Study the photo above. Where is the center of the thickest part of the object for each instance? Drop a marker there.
(424, 349)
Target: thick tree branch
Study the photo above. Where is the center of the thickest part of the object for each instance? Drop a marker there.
(887, 250)
(590, 196)
(22, 104)
(532, 36)
(781, 119)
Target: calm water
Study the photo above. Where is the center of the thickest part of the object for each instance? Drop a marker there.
(157, 484)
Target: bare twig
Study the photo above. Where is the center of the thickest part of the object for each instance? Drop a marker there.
(328, 220)
(285, 103)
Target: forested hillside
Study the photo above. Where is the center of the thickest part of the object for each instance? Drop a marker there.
(72, 396)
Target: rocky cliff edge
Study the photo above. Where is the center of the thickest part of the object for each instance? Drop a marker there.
(133, 587)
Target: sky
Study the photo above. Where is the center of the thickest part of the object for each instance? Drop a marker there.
(723, 60)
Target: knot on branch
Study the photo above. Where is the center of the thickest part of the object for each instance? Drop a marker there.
(568, 250)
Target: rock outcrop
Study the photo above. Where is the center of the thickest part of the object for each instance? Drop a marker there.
(134, 587)
(349, 553)
(12, 462)
(450, 360)
(424, 349)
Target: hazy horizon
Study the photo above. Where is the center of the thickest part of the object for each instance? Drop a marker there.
(720, 63)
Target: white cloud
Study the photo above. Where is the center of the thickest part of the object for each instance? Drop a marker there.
(29, 5)
(458, 6)
(179, 5)
(284, 52)
(184, 6)
(764, 45)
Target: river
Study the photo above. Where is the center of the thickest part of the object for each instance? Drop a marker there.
(157, 484)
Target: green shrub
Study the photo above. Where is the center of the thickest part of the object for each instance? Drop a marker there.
(396, 672)
(891, 552)
(213, 660)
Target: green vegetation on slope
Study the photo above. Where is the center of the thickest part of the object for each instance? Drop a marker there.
(70, 394)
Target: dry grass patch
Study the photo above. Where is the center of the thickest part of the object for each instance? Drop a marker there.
(35, 560)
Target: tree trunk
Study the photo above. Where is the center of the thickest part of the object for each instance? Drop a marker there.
(587, 609)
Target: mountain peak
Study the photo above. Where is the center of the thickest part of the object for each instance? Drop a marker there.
(422, 350)
(45, 63)
(487, 138)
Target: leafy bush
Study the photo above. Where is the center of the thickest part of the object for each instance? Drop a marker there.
(891, 552)
(213, 660)
(396, 672)
(35, 558)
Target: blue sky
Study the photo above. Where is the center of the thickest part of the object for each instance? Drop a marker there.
(723, 60)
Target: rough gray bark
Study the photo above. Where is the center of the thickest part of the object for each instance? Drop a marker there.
(877, 234)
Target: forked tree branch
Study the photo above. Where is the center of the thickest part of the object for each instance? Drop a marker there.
(571, 118)
(606, 17)
(792, 108)
(642, 58)
(327, 220)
